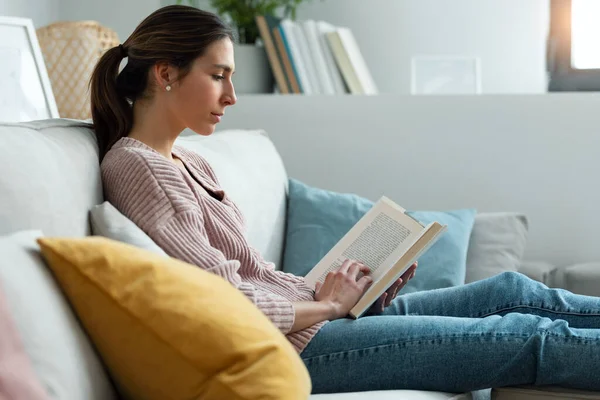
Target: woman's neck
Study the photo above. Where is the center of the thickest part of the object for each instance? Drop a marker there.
(152, 126)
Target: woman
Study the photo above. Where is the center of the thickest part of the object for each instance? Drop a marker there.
(505, 330)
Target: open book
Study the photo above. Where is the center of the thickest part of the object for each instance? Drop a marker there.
(387, 240)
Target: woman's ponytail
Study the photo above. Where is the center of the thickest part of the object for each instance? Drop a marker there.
(111, 111)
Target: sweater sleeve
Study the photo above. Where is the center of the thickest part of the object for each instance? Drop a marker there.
(184, 237)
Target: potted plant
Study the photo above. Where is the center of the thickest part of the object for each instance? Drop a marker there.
(253, 70)
(241, 14)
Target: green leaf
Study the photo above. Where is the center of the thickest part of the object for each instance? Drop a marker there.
(243, 13)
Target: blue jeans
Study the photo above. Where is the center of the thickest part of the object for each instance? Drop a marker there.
(501, 331)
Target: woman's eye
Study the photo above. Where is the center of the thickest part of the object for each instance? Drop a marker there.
(218, 77)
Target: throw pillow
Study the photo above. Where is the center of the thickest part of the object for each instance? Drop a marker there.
(317, 219)
(62, 355)
(17, 378)
(167, 329)
(107, 221)
(497, 244)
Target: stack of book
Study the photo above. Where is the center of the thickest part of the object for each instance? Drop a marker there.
(314, 57)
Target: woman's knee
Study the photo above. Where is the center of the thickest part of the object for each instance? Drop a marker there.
(512, 278)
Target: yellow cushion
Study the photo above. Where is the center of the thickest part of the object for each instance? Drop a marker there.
(169, 330)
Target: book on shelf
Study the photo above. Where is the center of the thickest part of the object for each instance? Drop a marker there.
(307, 57)
(289, 35)
(387, 240)
(351, 61)
(283, 50)
(317, 52)
(265, 25)
(334, 72)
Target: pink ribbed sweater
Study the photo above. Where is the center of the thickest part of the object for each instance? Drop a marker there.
(176, 210)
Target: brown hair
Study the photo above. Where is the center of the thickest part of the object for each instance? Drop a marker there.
(174, 34)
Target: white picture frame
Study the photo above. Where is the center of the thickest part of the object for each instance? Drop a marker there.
(25, 89)
(445, 75)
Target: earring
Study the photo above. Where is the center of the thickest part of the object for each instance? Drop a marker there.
(168, 88)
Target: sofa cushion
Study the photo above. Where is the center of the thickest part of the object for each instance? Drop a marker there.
(581, 278)
(393, 395)
(445, 263)
(50, 177)
(17, 378)
(527, 392)
(250, 169)
(317, 219)
(61, 354)
(107, 221)
(497, 244)
(167, 329)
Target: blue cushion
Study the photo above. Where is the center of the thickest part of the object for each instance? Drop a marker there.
(317, 219)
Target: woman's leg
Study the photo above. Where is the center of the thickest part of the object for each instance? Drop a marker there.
(505, 293)
(451, 354)
(475, 336)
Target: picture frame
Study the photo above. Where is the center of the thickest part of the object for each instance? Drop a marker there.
(25, 89)
(445, 75)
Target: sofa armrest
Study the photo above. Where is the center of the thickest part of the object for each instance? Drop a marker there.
(583, 278)
(538, 270)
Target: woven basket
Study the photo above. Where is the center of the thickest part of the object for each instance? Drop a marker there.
(71, 50)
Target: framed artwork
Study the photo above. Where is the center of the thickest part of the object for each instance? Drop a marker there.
(25, 90)
(438, 75)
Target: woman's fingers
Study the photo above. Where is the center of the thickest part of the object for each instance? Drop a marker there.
(382, 300)
(393, 292)
(364, 282)
(357, 268)
(345, 266)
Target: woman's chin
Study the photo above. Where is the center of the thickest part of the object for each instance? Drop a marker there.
(203, 131)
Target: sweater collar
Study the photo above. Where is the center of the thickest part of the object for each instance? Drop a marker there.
(197, 173)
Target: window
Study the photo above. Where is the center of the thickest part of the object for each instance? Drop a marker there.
(574, 45)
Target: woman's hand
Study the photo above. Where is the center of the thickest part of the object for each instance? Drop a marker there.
(386, 298)
(341, 289)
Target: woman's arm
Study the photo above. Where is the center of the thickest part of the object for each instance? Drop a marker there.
(309, 313)
(335, 297)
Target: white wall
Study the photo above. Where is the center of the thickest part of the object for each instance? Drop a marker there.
(42, 12)
(121, 15)
(508, 35)
(535, 154)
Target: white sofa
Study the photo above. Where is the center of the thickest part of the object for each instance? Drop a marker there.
(50, 179)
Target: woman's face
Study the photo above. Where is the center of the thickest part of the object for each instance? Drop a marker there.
(200, 98)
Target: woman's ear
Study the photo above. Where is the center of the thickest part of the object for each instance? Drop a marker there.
(164, 74)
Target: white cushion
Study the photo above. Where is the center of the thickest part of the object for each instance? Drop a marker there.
(497, 244)
(107, 221)
(62, 355)
(50, 177)
(251, 172)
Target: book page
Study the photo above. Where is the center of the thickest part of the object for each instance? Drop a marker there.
(377, 240)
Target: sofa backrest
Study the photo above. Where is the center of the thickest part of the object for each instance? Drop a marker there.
(50, 178)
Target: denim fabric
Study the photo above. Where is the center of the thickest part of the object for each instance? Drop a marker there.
(501, 331)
